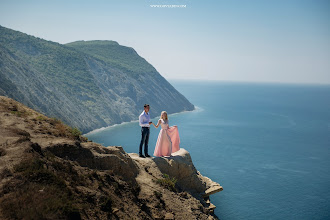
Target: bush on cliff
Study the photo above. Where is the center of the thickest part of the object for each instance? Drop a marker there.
(167, 182)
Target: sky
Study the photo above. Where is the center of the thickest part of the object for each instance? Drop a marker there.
(286, 41)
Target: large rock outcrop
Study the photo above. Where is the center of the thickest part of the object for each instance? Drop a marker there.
(180, 167)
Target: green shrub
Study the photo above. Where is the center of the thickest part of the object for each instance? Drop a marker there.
(17, 113)
(167, 182)
(22, 114)
(54, 121)
(41, 118)
(75, 132)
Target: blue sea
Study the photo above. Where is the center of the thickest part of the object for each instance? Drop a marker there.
(268, 145)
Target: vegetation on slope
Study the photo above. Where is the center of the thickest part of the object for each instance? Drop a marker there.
(87, 85)
(116, 55)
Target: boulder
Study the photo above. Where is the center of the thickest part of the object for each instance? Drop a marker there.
(181, 167)
(96, 156)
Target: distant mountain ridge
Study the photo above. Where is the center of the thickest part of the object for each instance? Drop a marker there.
(112, 53)
(86, 84)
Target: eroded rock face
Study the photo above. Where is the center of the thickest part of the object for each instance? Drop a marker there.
(95, 156)
(181, 167)
(188, 178)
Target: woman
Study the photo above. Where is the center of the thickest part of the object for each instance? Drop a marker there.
(168, 139)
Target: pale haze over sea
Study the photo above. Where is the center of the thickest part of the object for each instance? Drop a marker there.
(263, 41)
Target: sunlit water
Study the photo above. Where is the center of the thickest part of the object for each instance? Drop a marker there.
(268, 145)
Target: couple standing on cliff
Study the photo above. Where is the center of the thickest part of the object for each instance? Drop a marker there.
(168, 139)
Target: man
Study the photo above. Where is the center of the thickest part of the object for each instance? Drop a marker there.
(144, 121)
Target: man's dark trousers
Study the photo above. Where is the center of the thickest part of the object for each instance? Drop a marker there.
(145, 131)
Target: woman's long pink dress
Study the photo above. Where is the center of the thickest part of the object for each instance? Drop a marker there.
(168, 140)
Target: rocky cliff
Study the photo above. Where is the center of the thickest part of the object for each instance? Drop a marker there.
(49, 171)
(87, 85)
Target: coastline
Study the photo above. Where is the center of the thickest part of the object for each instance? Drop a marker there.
(197, 109)
(231, 82)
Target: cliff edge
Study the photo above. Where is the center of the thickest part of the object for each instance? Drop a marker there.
(179, 168)
(49, 171)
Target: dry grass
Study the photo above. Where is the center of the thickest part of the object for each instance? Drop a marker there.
(38, 193)
(39, 122)
(35, 201)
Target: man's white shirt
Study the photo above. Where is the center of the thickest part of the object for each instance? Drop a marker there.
(144, 119)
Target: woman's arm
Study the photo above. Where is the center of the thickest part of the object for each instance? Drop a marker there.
(156, 126)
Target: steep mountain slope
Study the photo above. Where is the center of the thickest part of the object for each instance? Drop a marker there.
(85, 84)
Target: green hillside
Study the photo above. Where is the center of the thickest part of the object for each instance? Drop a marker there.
(114, 54)
(65, 67)
(86, 84)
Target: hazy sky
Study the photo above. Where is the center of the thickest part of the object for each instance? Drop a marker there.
(247, 40)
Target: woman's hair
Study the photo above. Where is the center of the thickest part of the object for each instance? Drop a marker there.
(166, 118)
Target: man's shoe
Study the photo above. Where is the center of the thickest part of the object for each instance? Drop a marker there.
(141, 155)
(147, 155)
